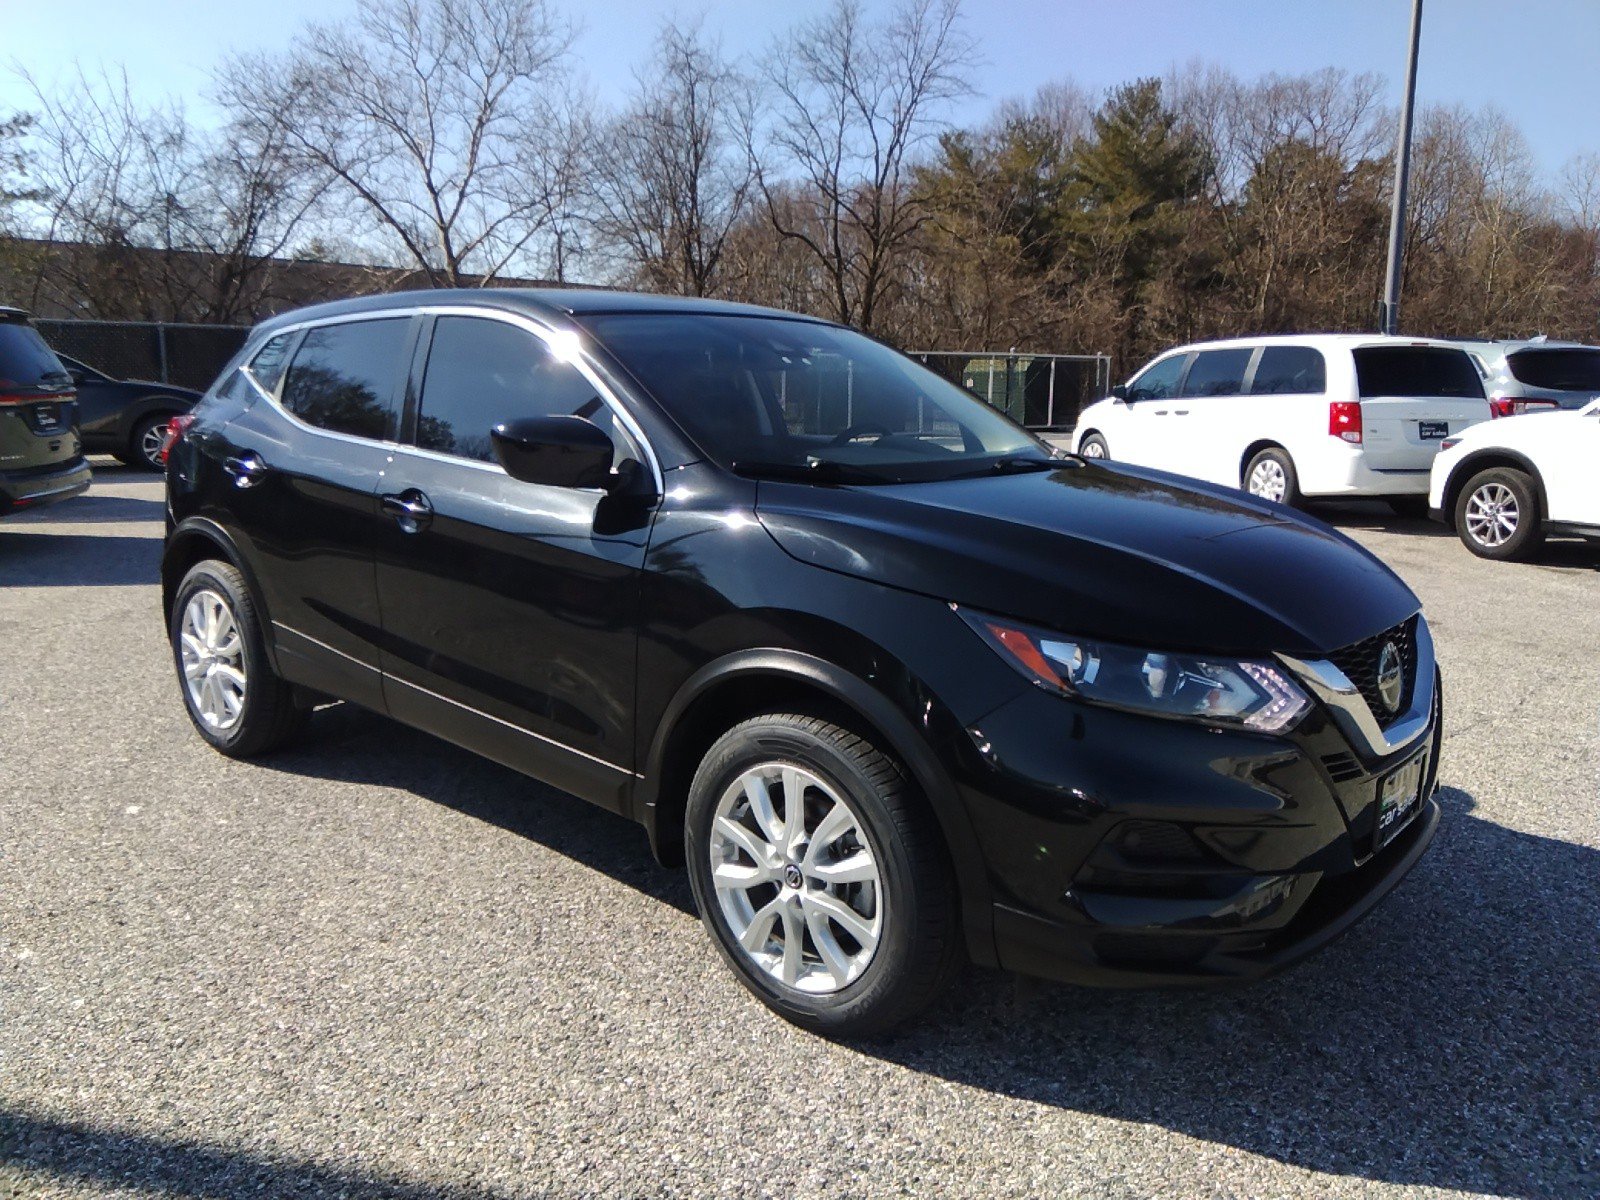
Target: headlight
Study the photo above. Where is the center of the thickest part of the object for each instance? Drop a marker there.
(1253, 694)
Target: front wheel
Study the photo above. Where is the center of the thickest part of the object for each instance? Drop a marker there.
(821, 875)
(1093, 446)
(236, 701)
(1270, 475)
(1497, 514)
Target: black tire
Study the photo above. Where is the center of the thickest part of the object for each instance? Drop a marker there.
(919, 946)
(1096, 441)
(269, 717)
(1408, 506)
(1518, 497)
(1291, 479)
(133, 454)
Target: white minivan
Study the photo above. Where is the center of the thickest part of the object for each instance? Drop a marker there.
(1292, 417)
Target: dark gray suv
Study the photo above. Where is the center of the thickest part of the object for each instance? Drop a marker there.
(41, 457)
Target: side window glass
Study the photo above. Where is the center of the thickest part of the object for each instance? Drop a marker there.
(481, 372)
(344, 377)
(1158, 381)
(1289, 370)
(268, 364)
(1217, 373)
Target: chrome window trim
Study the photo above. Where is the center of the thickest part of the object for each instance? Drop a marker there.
(544, 332)
(1349, 708)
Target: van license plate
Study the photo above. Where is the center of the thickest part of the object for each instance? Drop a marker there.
(1433, 430)
(1399, 800)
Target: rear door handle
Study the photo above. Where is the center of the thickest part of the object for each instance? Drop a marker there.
(410, 509)
(247, 469)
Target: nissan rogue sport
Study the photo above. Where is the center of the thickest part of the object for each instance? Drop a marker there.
(897, 685)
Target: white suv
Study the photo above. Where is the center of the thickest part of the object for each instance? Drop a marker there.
(1292, 417)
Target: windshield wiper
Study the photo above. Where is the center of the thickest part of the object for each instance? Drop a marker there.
(1016, 465)
(818, 470)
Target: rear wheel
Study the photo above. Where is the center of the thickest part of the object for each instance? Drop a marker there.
(144, 443)
(1497, 514)
(1093, 446)
(820, 875)
(234, 698)
(1270, 475)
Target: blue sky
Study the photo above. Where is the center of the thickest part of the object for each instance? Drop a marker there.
(1536, 60)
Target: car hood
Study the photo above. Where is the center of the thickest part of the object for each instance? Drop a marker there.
(1102, 550)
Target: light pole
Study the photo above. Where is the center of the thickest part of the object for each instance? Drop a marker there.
(1389, 310)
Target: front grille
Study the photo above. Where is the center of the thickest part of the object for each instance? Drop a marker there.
(1359, 662)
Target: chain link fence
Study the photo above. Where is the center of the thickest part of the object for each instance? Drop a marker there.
(185, 355)
(1039, 391)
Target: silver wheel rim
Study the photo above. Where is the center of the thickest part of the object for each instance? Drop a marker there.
(796, 878)
(212, 650)
(1268, 480)
(150, 444)
(1092, 449)
(1492, 514)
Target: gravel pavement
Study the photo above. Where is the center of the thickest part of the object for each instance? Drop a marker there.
(378, 966)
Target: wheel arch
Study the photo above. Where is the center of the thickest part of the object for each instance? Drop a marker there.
(195, 539)
(1488, 459)
(146, 406)
(1090, 432)
(1255, 448)
(750, 682)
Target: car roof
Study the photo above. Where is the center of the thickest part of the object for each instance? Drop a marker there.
(1320, 341)
(8, 313)
(546, 303)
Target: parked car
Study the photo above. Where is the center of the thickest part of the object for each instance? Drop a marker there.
(41, 460)
(126, 418)
(1504, 487)
(894, 681)
(1293, 418)
(1541, 376)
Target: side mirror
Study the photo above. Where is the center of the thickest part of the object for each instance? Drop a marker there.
(1119, 391)
(570, 452)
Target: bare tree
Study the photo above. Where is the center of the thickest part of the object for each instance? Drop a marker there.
(852, 104)
(672, 178)
(445, 121)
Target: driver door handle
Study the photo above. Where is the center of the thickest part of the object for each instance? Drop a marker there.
(410, 509)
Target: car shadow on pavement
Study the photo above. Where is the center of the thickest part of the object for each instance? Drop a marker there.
(350, 744)
(35, 1150)
(1451, 1040)
(41, 558)
(91, 508)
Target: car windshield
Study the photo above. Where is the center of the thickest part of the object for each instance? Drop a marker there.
(1566, 370)
(765, 396)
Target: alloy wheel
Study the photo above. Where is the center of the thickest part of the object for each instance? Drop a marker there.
(796, 878)
(212, 649)
(1093, 450)
(1268, 481)
(150, 443)
(1492, 515)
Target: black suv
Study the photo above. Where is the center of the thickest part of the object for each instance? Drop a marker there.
(899, 685)
(41, 460)
(126, 418)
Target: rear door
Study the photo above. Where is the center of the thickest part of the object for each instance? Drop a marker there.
(296, 477)
(1412, 397)
(37, 409)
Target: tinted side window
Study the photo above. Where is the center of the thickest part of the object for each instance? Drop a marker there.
(481, 372)
(268, 364)
(1416, 371)
(25, 360)
(1158, 381)
(1217, 373)
(344, 377)
(1289, 370)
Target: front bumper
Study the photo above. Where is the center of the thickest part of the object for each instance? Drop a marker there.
(1257, 851)
(26, 488)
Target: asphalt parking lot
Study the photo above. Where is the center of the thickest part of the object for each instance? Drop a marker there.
(377, 966)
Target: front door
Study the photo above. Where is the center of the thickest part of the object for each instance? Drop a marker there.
(1148, 431)
(510, 609)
